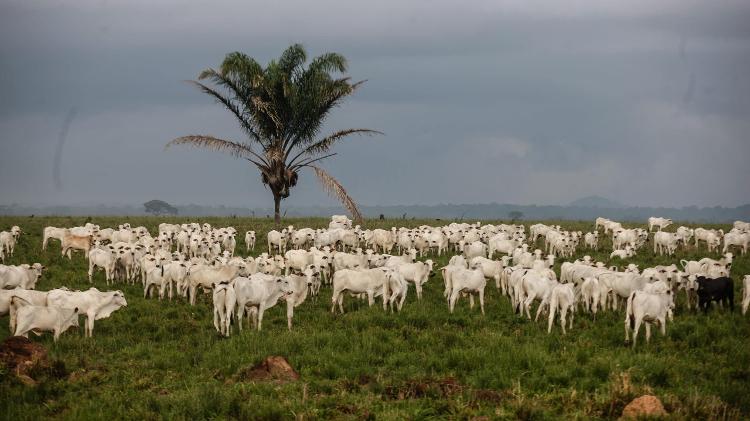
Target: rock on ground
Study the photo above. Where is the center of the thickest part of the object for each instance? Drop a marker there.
(646, 405)
(272, 368)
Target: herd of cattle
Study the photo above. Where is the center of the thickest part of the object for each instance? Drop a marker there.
(188, 259)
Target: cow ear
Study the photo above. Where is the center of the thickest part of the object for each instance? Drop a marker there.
(75, 310)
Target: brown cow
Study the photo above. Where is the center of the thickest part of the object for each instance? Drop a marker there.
(72, 242)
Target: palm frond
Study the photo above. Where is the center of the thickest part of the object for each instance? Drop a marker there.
(213, 143)
(323, 145)
(329, 62)
(335, 189)
(245, 123)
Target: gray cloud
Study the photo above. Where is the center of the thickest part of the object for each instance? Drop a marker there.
(522, 102)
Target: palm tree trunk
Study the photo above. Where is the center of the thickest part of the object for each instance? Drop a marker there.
(277, 209)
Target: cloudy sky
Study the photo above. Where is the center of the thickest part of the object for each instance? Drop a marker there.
(647, 103)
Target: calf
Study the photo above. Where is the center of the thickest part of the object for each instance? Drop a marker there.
(717, 289)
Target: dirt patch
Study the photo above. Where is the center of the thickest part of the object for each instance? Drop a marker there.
(273, 368)
(23, 358)
(644, 406)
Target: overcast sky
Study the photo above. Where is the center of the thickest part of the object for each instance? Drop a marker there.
(643, 102)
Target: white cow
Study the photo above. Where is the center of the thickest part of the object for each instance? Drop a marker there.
(500, 243)
(738, 239)
(257, 294)
(474, 249)
(625, 253)
(30, 296)
(593, 294)
(665, 242)
(93, 303)
(685, 234)
(299, 285)
(418, 273)
(43, 318)
(649, 308)
(104, 258)
(277, 241)
(591, 240)
(658, 222)
(225, 300)
(249, 240)
(562, 298)
(7, 243)
(367, 281)
(22, 276)
(467, 281)
(206, 276)
(492, 269)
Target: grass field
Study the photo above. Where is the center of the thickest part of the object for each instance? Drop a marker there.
(160, 359)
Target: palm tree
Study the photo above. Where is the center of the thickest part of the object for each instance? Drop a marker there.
(281, 108)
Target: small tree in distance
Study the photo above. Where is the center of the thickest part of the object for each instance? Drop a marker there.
(159, 207)
(515, 215)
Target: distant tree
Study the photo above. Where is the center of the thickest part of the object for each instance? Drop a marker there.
(159, 207)
(515, 215)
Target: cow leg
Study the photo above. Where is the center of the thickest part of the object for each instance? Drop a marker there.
(341, 303)
(648, 332)
(527, 305)
(454, 297)
(572, 314)
(289, 314)
(481, 300)
(240, 314)
(563, 313)
(550, 319)
(638, 322)
(217, 325)
(334, 300)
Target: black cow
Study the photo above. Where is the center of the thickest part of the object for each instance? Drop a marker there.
(715, 289)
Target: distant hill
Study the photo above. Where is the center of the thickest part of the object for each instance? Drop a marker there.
(446, 212)
(596, 202)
